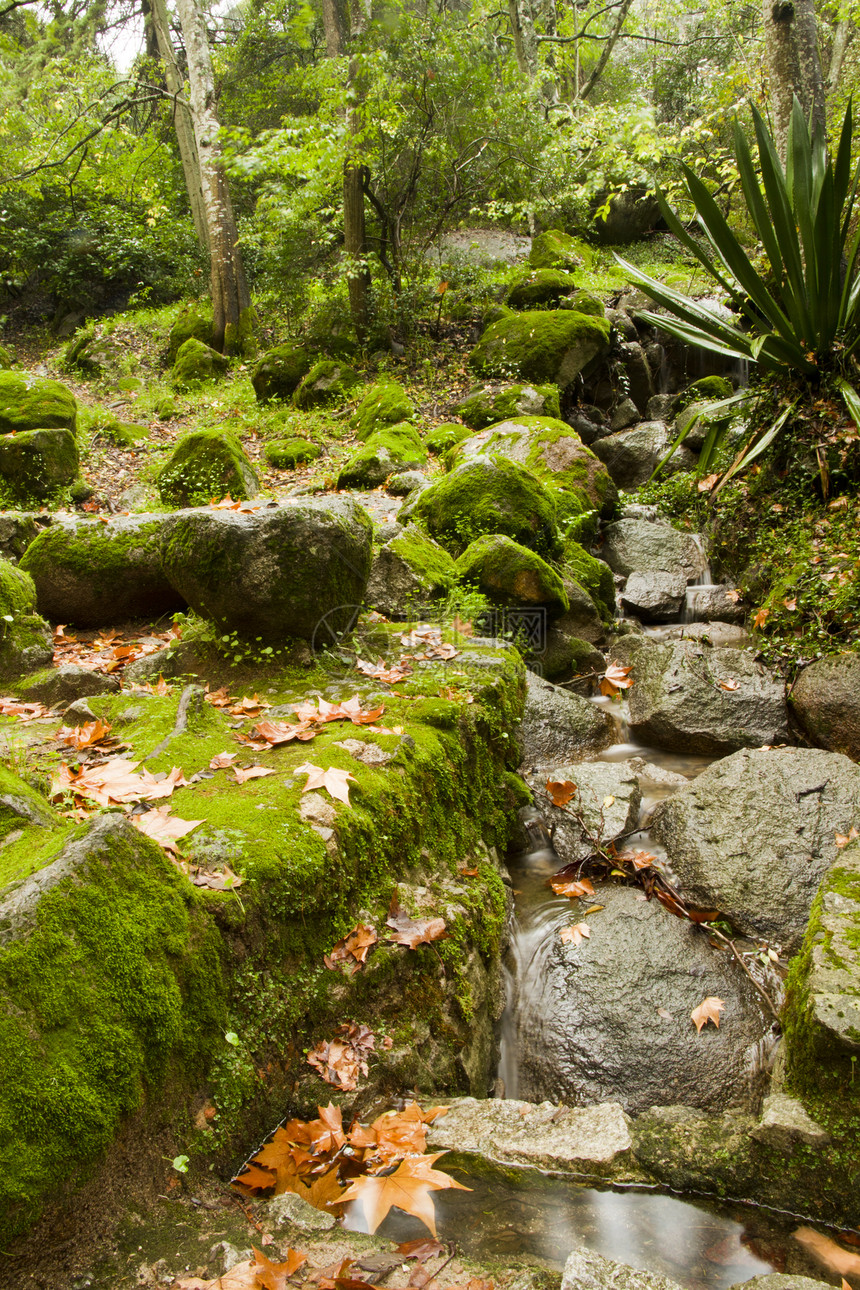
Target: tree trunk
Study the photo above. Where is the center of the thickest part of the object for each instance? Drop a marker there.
(231, 302)
(841, 40)
(175, 82)
(334, 23)
(793, 64)
(525, 41)
(354, 231)
(608, 46)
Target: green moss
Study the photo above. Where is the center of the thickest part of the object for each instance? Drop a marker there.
(592, 574)
(280, 371)
(552, 346)
(430, 562)
(510, 574)
(585, 302)
(540, 287)
(555, 249)
(31, 403)
(194, 323)
(36, 465)
(385, 403)
(239, 337)
(445, 436)
(206, 465)
(486, 407)
(196, 363)
(6, 359)
(394, 448)
(706, 389)
(286, 454)
(328, 383)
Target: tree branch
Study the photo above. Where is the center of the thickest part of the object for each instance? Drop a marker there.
(597, 70)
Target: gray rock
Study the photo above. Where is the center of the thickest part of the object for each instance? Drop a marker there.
(654, 597)
(296, 570)
(784, 1123)
(660, 406)
(623, 324)
(586, 1270)
(826, 700)
(78, 713)
(298, 1213)
(691, 698)
(781, 1281)
(558, 727)
(582, 619)
(590, 1029)
(708, 604)
(625, 415)
(593, 1138)
(754, 834)
(407, 572)
(596, 783)
(632, 456)
(720, 635)
(65, 684)
(17, 530)
(629, 358)
(638, 545)
(406, 481)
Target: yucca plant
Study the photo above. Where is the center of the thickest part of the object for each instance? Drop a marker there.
(801, 318)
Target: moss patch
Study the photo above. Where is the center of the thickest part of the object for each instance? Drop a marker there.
(206, 465)
(510, 574)
(493, 403)
(592, 574)
(387, 451)
(31, 403)
(385, 403)
(328, 383)
(279, 372)
(196, 363)
(552, 346)
(286, 454)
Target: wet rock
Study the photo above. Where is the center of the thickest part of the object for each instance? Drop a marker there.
(587, 1270)
(692, 698)
(784, 1123)
(826, 700)
(607, 801)
(780, 1281)
(591, 1030)
(639, 545)
(594, 1138)
(755, 833)
(632, 456)
(624, 416)
(654, 597)
(713, 604)
(564, 657)
(629, 358)
(558, 727)
(66, 684)
(273, 573)
(298, 1213)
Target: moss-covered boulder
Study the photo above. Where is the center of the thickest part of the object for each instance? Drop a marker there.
(286, 454)
(555, 453)
(25, 639)
(206, 465)
(445, 436)
(540, 287)
(279, 372)
(122, 434)
(96, 574)
(409, 571)
(555, 249)
(586, 302)
(553, 345)
(6, 359)
(36, 464)
(89, 352)
(196, 363)
(328, 383)
(706, 389)
(33, 403)
(494, 402)
(395, 448)
(21, 805)
(591, 573)
(490, 494)
(385, 404)
(564, 657)
(194, 323)
(510, 574)
(17, 530)
(296, 570)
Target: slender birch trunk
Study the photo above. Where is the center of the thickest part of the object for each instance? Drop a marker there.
(175, 82)
(793, 63)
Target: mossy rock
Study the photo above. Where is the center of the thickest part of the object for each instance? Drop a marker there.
(32, 403)
(494, 402)
(21, 805)
(554, 452)
(591, 573)
(387, 451)
(206, 465)
(386, 403)
(95, 574)
(122, 434)
(585, 302)
(87, 353)
(510, 574)
(556, 249)
(540, 287)
(37, 464)
(6, 359)
(328, 383)
(564, 657)
(706, 389)
(494, 313)
(489, 494)
(194, 323)
(409, 571)
(545, 346)
(165, 408)
(445, 436)
(280, 371)
(25, 638)
(196, 363)
(286, 454)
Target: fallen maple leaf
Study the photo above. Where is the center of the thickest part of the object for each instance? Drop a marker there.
(615, 678)
(164, 828)
(115, 781)
(335, 782)
(413, 932)
(761, 617)
(222, 760)
(707, 483)
(409, 1188)
(560, 791)
(842, 839)
(576, 934)
(572, 887)
(252, 772)
(421, 1250)
(708, 1010)
(734, 596)
(24, 711)
(83, 736)
(215, 879)
(356, 945)
(731, 685)
(639, 859)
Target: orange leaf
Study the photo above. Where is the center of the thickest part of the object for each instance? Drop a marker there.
(253, 772)
(576, 934)
(560, 791)
(639, 859)
(335, 782)
(413, 932)
(842, 839)
(615, 678)
(572, 887)
(761, 617)
(164, 828)
(708, 1010)
(408, 1188)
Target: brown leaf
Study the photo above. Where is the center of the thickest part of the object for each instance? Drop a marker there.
(409, 1188)
(115, 781)
(24, 711)
(830, 1255)
(421, 1250)
(216, 879)
(616, 678)
(572, 887)
(639, 859)
(335, 782)
(560, 791)
(576, 934)
(708, 1010)
(413, 932)
(253, 772)
(222, 760)
(761, 618)
(730, 685)
(164, 828)
(842, 839)
(83, 736)
(355, 946)
(273, 1276)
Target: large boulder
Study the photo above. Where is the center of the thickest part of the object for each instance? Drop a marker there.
(25, 639)
(195, 322)
(278, 374)
(540, 287)
(206, 465)
(555, 453)
(36, 464)
(409, 571)
(691, 698)
(651, 546)
(826, 701)
(610, 1018)
(389, 450)
(591, 573)
(632, 456)
(510, 574)
(713, 603)
(328, 383)
(489, 494)
(655, 597)
(558, 727)
(754, 834)
(541, 345)
(385, 404)
(555, 249)
(604, 805)
(32, 403)
(196, 363)
(582, 621)
(96, 574)
(275, 573)
(495, 401)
